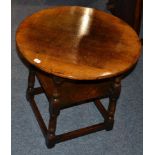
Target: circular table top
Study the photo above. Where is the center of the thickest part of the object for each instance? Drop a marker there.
(78, 43)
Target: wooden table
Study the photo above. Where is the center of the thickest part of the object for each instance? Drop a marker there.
(78, 55)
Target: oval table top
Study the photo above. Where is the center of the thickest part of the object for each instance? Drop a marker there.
(78, 43)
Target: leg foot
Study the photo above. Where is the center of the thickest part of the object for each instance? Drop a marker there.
(50, 140)
(109, 123)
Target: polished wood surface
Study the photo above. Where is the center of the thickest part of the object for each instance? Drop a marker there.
(78, 43)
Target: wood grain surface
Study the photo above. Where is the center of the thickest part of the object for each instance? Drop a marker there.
(78, 43)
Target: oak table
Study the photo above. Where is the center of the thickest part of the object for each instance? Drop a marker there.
(78, 55)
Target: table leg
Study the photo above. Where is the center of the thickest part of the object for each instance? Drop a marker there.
(31, 91)
(112, 103)
(54, 110)
(31, 81)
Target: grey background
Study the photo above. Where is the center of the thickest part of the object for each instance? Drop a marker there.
(126, 137)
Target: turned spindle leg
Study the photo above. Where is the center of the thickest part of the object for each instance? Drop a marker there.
(54, 110)
(112, 103)
(31, 81)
